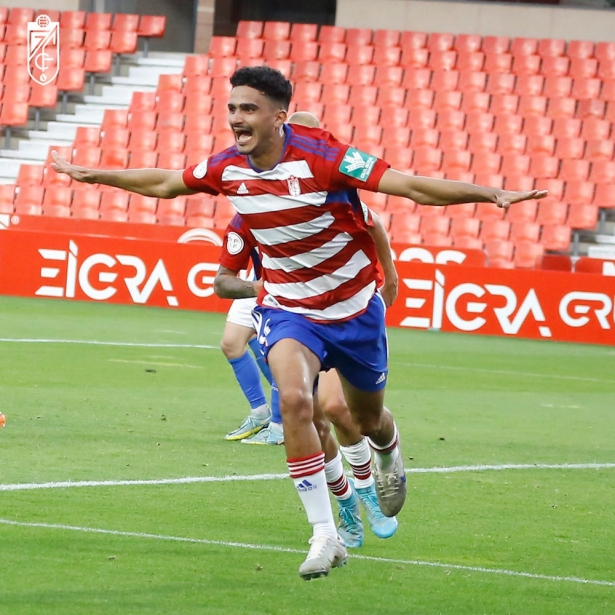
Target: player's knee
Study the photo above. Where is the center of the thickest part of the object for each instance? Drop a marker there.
(335, 410)
(231, 348)
(368, 424)
(296, 403)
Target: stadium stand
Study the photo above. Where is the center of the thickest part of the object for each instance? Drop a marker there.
(519, 112)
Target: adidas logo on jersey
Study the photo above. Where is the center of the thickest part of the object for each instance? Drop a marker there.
(243, 189)
(305, 485)
(382, 378)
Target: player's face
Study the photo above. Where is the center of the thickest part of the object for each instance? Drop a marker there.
(255, 120)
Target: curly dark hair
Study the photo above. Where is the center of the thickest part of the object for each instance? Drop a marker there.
(271, 82)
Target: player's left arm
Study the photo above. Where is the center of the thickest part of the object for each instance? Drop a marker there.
(228, 285)
(383, 250)
(431, 191)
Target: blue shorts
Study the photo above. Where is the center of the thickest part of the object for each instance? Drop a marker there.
(357, 348)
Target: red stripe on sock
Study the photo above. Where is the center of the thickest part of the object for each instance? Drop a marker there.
(306, 466)
(362, 472)
(386, 450)
(339, 487)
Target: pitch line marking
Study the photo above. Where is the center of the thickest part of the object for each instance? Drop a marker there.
(257, 477)
(255, 547)
(100, 343)
(504, 372)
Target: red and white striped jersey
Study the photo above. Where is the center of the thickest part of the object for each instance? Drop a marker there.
(318, 259)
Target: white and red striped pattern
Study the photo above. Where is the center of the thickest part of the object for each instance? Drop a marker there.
(306, 466)
(318, 258)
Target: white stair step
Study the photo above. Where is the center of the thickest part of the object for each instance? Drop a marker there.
(606, 252)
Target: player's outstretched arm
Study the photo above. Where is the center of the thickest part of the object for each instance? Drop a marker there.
(383, 249)
(160, 183)
(430, 191)
(227, 285)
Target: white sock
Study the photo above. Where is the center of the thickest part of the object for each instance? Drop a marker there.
(386, 455)
(308, 475)
(359, 456)
(336, 479)
(260, 413)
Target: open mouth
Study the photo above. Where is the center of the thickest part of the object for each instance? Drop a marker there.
(243, 136)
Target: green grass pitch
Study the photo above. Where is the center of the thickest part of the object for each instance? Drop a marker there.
(523, 535)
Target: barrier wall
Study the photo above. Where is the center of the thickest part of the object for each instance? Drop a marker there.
(435, 292)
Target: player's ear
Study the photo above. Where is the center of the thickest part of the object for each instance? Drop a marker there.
(280, 118)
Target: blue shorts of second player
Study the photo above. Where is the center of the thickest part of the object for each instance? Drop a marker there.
(357, 347)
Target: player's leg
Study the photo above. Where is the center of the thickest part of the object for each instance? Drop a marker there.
(350, 527)
(238, 331)
(356, 450)
(359, 352)
(294, 368)
(273, 434)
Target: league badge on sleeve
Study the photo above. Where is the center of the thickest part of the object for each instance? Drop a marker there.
(234, 243)
(357, 164)
(201, 169)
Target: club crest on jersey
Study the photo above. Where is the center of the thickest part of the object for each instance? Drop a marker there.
(294, 187)
(200, 170)
(357, 164)
(234, 243)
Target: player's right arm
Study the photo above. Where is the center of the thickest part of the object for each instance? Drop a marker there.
(160, 183)
(228, 285)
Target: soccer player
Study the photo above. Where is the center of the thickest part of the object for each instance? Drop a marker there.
(237, 250)
(318, 306)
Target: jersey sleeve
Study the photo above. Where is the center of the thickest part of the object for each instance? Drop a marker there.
(237, 246)
(352, 168)
(201, 178)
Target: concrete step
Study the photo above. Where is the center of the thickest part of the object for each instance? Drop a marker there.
(601, 251)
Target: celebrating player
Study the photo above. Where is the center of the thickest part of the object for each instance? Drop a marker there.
(318, 306)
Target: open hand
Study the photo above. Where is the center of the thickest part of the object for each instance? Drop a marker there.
(80, 174)
(507, 197)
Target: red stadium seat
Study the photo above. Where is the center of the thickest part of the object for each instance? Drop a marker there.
(566, 127)
(328, 34)
(442, 59)
(484, 162)
(595, 128)
(482, 142)
(362, 95)
(544, 167)
(451, 140)
(500, 253)
(498, 63)
(561, 107)
(500, 83)
(386, 38)
(424, 137)
(600, 149)
(456, 160)
(504, 104)
(276, 30)
(585, 88)
(556, 237)
(398, 157)
(450, 119)
(392, 96)
(571, 170)
(570, 148)
(591, 108)
(551, 47)
(512, 143)
(444, 80)
(365, 115)
(413, 39)
(414, 57)
(478, 121)
(303, 32)
(475, 101)
(524, 46)
(249, 29)
(557, 87)
(583, 68)
(387, 56)
(488, 212)
(541, 145)
(552, 212)
(602, 172)
(422, 118)
(468, 42)
(333, 72)
(523, 231)
(580, 49)
(359, 36)
(388, 76)
(555, 66)
(393, 116)
(528, 254)
(470, 62)
(522, 212)
(416, 78)
(583, 216)
(419, 99)
(359, 54)
(361, 74)
(276, 49)
(447, 100)
(579, 192)
(507, 124)
(395, 136)
(465, 227)
(529, 85)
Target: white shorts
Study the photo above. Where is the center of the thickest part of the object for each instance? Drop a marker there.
(240, 312)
